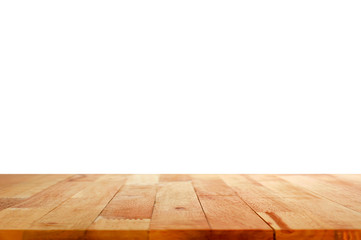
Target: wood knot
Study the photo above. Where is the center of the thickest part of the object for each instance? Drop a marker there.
(180, 208)
(50, 223)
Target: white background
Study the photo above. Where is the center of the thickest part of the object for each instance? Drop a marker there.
(180, 86)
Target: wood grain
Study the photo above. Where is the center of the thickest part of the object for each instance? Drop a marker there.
(176, 211)
(77, 212)
(128, 215)
(180, 207)
(296, 213)
(331, 188)
(33, 184)
(228, 214)
(211, 185)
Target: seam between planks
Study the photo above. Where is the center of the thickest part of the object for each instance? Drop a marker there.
(66, 179)
(120, 188)
(273, 230)
(155, 201)
(24, 199)
(337, 177)
(200, 203)
(318, 195)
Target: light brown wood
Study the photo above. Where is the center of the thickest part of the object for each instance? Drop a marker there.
(129, 213)
(236, 215)
(174, 177)
(29, 187)
(176, 212)
(329, 187)
(180, 207)
(211, 185)
(293, 212)
(77, 212)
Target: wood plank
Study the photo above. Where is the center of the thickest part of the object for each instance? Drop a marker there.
(176, 212)
(72, 217)
(230, 218)
(174, 178)
(35, 184)
(85, 177)
(20, 216)
(16, 220)
(211, 185)
(299, 214)
(122, 229)
(330, 188)
(127, 216)
(353, 180)
(10, 179)
(133, 202)
(143, 179)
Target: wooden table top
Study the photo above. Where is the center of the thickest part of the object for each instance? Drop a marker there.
(157, 207)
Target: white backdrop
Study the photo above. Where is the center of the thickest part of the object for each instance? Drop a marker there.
(180, 86)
